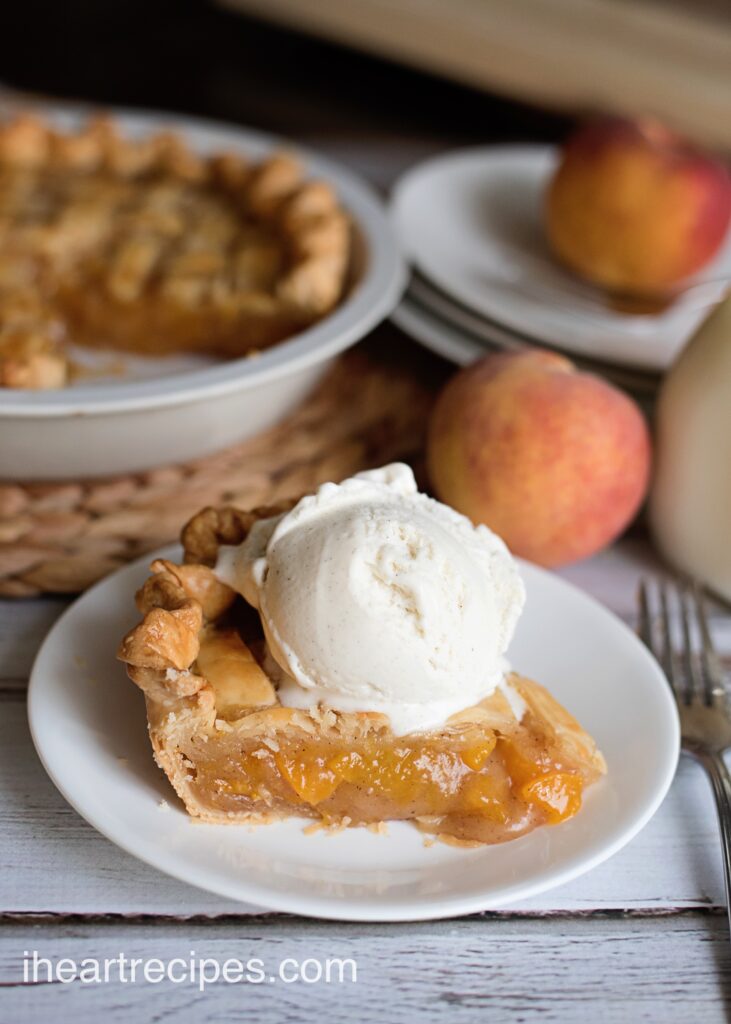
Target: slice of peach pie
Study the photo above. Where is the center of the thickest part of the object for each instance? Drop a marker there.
(341, 658)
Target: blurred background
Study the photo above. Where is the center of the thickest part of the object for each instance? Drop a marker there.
(413, 70)
(382, 85)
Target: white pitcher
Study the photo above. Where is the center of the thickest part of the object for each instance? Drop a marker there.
(690, 501)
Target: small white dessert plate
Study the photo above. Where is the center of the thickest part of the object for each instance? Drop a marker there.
(471, 222)
(88, 725)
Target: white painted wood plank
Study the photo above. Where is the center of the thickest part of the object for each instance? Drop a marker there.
(23, 625)
(554, 972)
(52, 861)
(613, 578)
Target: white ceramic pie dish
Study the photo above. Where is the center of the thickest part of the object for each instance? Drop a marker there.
(168, 412)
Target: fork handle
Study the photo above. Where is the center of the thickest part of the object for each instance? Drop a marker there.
(720, 777)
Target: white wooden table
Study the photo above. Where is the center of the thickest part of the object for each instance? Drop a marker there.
(641, 938)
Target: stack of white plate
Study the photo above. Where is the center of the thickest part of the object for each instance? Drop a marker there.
(471, 225)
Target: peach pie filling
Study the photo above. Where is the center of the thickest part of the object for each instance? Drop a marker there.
(475, 786)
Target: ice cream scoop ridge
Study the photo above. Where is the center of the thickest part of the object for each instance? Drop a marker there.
(374, 597)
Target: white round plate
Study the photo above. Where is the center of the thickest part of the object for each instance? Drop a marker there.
(132, 413)
(471, 222)
(88, 725)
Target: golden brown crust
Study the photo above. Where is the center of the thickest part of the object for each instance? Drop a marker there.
(143, 244)
(575, 741)
(203, 535)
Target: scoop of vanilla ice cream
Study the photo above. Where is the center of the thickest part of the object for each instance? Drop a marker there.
(374, 597)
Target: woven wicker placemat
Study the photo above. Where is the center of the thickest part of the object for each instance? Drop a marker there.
(371, 409)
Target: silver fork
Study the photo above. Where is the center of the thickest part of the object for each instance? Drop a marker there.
(696, 680)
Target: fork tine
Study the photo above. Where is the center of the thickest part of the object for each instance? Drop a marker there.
(644, 621)
(668, 658)
(712, 672)
(692, 682)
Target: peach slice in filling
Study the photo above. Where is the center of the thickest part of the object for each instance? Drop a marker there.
(476, 785)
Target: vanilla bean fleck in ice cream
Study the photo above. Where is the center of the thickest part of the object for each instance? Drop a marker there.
(374, 597)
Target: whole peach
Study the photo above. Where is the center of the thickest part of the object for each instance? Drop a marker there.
(634, 208)
(554, 460)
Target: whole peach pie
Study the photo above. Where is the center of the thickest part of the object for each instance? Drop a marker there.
(145, 246)
(249, 729)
